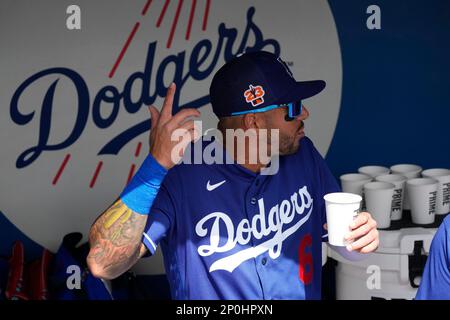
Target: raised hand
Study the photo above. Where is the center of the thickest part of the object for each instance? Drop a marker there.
(169, 132)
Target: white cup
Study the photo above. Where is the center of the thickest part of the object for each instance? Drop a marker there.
(443, 192)
(422, 193)
(397, 199)
(410, 171)
(354, 183)
(374, 171)
(379, 202)
(341, 209)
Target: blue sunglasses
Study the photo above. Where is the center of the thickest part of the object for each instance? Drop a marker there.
(294, 110)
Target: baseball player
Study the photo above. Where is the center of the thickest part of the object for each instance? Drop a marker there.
(435, 282)
(231, 230)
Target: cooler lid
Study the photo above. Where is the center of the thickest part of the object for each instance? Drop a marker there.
(402, 241)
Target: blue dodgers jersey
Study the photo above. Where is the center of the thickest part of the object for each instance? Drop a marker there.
(435, 283)
(229, 233)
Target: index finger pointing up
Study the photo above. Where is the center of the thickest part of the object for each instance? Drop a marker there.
(166, 110)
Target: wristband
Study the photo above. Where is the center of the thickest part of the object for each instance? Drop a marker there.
(140, 193)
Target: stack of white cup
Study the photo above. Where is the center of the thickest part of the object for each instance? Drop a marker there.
(410, 171)
(354, 183)
(387, 191)
(399, 182)
(442, 176)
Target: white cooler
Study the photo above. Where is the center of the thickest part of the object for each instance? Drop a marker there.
(392, 272)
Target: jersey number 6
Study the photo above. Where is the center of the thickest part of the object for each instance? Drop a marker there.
(305, 268)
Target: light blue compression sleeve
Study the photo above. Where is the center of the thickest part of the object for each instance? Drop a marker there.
(139, 194)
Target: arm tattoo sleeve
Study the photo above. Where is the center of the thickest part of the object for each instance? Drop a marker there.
(115, 239)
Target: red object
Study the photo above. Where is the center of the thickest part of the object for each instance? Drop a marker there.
(306, 267)
(15, 286)
(131, 173)
(94, 178)
(144, 11)
(124, 49)
(61, 169)
(37, 276)
(191, 18)
(174, 24)
(205, 17)
(138, 149)
(163, 12)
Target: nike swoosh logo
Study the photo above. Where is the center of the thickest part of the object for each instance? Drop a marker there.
(211, 187)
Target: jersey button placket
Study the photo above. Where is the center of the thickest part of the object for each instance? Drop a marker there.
(261, 261)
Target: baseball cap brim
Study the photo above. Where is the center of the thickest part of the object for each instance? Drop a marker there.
(303, 90)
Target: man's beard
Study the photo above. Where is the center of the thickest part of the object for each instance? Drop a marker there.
(287, 144)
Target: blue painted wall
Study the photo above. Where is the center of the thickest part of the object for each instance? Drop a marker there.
(395, 104)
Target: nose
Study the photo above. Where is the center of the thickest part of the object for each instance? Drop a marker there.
(304, 115)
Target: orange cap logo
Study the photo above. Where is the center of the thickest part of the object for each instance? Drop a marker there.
(254, 95)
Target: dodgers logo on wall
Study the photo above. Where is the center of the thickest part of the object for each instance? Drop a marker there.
(74, 122)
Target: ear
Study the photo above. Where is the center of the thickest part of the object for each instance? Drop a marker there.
(261, 120)
(249, 121)
(254, 121)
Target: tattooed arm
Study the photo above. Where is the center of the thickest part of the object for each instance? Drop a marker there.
(115, 240)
